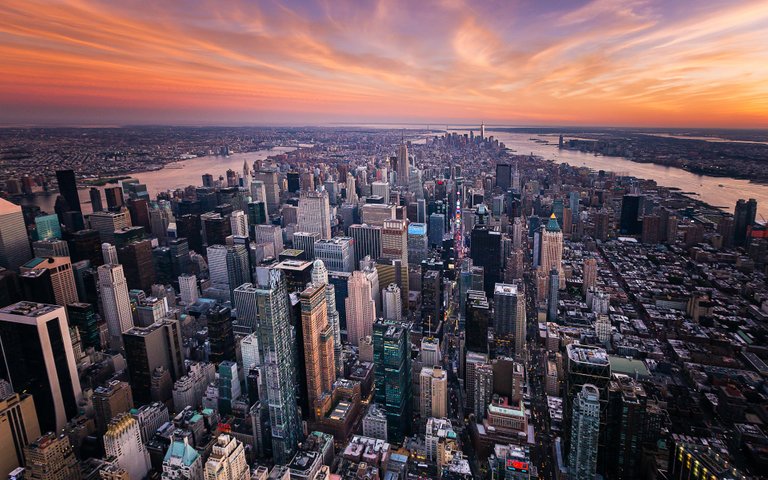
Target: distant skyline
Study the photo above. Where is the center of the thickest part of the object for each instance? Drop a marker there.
(635, 63)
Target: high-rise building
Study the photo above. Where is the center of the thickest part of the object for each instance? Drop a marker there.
(589, 274)
(392, 303)
(109, 400)
(229, 386)
(47, 227)
(116, 304)
(478, 318)
(394, 240)
(485, 252)
(148, 349)
(433, 392)
(376, 214)
(38, 358)
(107, 222)
(52, 247)
(271, 189)
(503, 176)
(188, 289)
(552, 249)
(417, 243)
(182, 461)
(318, 352)
(552, 295)
(227, 460)
(18, 427)
(269, 234)
(115, 198)
(403, 165)
(84, 318)
(375, 423)
(123, 444)
(351, 190)
(337, 253)
(68, 189)
(585, 426)
(14, 245)
(392, 363)
(221, 339)
(305, 241)
(320, 277)
(483, 389)
(278, 363)
(314, 213)
(631, 206)
(367, 241)
(626, 421)
(360, 308)
(239, 223)
(436, 229)
(60, 275)
(51, 457)
(138, 264)
(743, 216)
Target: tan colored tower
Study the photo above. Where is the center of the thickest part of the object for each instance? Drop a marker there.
(361, 309)
(319, 356)
(552, 249)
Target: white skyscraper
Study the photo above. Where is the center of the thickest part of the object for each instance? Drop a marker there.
(392, 303)
(314, 213)
(109, 253)
(351, 192)
(113, 289)
(361, 309)
(188, 289)
(403, 165)
(227, 461)
(14, 245)
(433, 393)
(239, 221)
(123, 443)
(320, 277)
(258, 192)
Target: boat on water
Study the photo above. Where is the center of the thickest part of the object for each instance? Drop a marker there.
(175, 166)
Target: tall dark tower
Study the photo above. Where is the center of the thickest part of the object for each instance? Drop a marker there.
(68, 189)
(743, 216)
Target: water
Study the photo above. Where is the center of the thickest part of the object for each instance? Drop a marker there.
(707, 189)
(158, 181)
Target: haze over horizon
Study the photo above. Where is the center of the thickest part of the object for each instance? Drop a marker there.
(635, 63)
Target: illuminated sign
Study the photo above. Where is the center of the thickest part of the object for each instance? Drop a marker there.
(517, 466)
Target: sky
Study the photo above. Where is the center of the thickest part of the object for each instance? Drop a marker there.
(681, 63)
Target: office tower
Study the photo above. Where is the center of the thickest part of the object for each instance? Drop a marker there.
(552, 249)
(417, 243)
(182, 461)
(433, 392)
(510, 314)
(83, 317)
(220, 337)
(337, 253)
(109, 400)
(190, 227)
(318, 339)
(305, 241)
(245, 304)
(217, 266)
(18, 427)
(10, 289)
(123, 444)
(360, 308)
(351, 190)
(36, 344)
(403, 165)
(229, 386)
(239, 223)
(47, 227)
(148, 349)
(392, 364)
(68, 189)
(367, 241)
(294, 181)
(257, 213)
(160, 217)
(375, 423)
(138, 265)
(743, 216)
(503, 176)
(271, 189)
(278, 363)
(483, 389)
(14, 245)
(60, 276)
(215, 228)
(50, 248)
(394, 240)
(314, 213)
(115, 198)
(269, 234)
(626, 421)
(590, 274)
(109, 254)
(376, 214)
(380, 189)
(116, 304)
(320, 277)
(138, 211)
(392, 303)
(51, 457)
(629, 223)
(96, 203)
(478, 320)
(228, 459)
(585, 426)
(431, 297)
(416, 184)
(552, 295)
(107, 222)
(436, 229)
(485, 252)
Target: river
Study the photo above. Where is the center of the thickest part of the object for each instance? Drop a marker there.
(708, 189)
(190, 173)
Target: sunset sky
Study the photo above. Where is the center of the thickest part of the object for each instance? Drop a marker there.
(601, 62)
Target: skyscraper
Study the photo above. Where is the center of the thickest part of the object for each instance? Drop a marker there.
(107, 222)
(38, 358)
(47, 227)
(279, 384)
(314, 213)
(744, 216)
(18, 427)
(590, 275)
(239, 223)
(182, 461)
(630, 211)
(122, 442)
(417, 243)
(552, 249)
(552, 295)
(320, 277)
(403, 165)
(14, 245)
(337, 253)
(227, 461)
(392, 361)
(477, 321)
(68, 189)
(360, 308)
(486, 252)
(148, 349)
(319, 355)
(503, 176)
(367, 241)
(271, 189)
(436, 229)
(61, 277)
(113, 289)
(392, 303)
(585, 426)
(433, 392)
